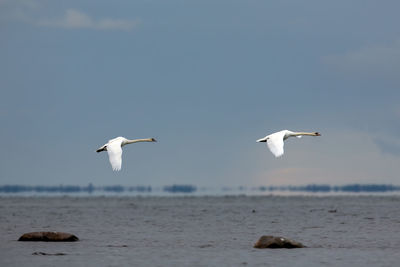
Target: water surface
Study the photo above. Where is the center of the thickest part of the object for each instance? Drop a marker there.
(202, 231)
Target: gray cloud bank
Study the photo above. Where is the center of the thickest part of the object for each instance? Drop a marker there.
(75, 19)
(377, 59)
(388, 146)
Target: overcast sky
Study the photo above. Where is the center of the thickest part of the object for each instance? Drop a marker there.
(206, 79)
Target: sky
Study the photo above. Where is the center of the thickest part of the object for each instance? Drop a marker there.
(206, 79)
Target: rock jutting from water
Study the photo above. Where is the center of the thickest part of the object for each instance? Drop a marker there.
(48, 237)
(48, 254)
(268, 241)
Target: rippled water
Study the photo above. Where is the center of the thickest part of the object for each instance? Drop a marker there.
(202, 231)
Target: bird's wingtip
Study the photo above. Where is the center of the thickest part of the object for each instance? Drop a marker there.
(103, 148)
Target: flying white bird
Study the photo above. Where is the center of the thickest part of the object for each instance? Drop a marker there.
(114, 149)
(275, 140)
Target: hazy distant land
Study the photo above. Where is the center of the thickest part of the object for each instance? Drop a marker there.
(188, 189)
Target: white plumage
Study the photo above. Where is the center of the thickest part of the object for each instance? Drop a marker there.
(114, 149)
(275, 141)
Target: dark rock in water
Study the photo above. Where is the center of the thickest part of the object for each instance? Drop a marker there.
(206, 246)
(48, 254)
(49, 237)
(268, 241)
(117, 246)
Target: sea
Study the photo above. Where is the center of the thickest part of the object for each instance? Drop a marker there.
(201, 230)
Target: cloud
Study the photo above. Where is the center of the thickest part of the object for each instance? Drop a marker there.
(75, 19)
(296, 175)
(381, 59)
(391, 147)
(17, 10)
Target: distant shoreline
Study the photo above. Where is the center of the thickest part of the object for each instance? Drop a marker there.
(176, 189)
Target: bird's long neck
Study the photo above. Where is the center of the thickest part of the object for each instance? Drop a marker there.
(303, 133)
(138, 140)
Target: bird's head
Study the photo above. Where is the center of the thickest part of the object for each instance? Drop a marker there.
(153, 140)
(317, 134)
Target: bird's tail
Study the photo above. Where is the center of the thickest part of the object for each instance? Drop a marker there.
(103, 148)
(264, 139)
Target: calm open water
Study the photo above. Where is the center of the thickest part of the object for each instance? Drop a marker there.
(203, 231)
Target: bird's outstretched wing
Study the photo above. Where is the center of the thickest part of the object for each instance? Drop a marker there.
(275, 144)
(115, 155)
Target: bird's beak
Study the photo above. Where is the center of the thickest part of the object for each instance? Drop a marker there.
(154, 140)
(317, 134)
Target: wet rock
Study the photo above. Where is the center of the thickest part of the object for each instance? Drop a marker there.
(206, 246)
(117, 246)
(49, 237)
(267, 241)
(48, 254)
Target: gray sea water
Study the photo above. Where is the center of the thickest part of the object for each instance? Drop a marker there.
(202, 231)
